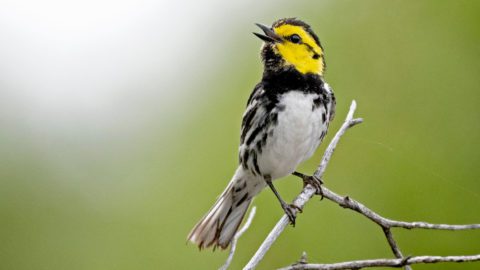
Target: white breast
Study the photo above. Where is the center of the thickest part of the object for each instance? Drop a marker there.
(296, 136)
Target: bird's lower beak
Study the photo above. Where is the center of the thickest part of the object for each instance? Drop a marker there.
(270, 35)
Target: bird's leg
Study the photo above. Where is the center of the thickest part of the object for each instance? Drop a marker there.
(312, 180)
(288, 208)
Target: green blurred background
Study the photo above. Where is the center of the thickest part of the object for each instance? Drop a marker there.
(119, 126)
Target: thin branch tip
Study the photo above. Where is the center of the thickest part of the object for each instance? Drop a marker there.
(357, 121)
(351, 111)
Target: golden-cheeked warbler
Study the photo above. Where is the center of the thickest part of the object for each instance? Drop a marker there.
(286, 119)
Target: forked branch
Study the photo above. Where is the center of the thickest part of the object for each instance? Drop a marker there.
(346, 202)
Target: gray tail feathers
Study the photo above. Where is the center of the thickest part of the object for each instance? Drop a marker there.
(218, 227)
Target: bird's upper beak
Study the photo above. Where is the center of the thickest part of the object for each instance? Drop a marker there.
(270, 35)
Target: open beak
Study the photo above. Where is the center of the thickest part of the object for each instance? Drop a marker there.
(269, 36)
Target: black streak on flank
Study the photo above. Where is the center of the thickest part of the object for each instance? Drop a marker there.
(317, 102)
(245, 158)
(240, 187)
(254, 133)
(274, 119)
(242, 199)
(271, 119)
(324, 117)
(259, 146)
(264, 139)
(244, 184)
(247, 122)
(322, 135)
(255, 163)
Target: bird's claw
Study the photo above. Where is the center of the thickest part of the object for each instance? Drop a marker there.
(315, 182)
(291, 212)
(312, 180)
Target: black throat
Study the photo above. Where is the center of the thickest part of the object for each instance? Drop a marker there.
(289, 79)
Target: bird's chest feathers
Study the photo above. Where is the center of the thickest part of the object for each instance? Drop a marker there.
(299, 116)
(299, 126)
(296, 134)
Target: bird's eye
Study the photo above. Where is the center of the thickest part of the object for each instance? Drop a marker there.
(295, 38)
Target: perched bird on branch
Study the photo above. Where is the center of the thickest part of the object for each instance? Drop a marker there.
(286, 119)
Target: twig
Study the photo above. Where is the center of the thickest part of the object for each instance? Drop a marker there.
(237, 236)
(383, 262)
(347, 202)
(307, 192)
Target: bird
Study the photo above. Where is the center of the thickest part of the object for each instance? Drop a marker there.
(285, 120)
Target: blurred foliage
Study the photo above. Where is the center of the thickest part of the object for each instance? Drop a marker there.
(82, 201)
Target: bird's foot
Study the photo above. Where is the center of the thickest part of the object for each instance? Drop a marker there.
(291, 212)
(312, 180)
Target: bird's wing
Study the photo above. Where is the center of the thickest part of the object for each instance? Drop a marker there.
(257, 115)
(261, 113)
(333, 102)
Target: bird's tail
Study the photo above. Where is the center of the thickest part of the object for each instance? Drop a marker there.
(219, 225)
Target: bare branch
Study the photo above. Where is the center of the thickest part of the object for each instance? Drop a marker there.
(346, 202)
(237, 236)
(307, 192)
(383, 262)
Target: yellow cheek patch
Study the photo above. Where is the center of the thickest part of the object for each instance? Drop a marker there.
(300, 55)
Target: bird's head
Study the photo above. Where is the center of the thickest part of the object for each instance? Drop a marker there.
(291, 43)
